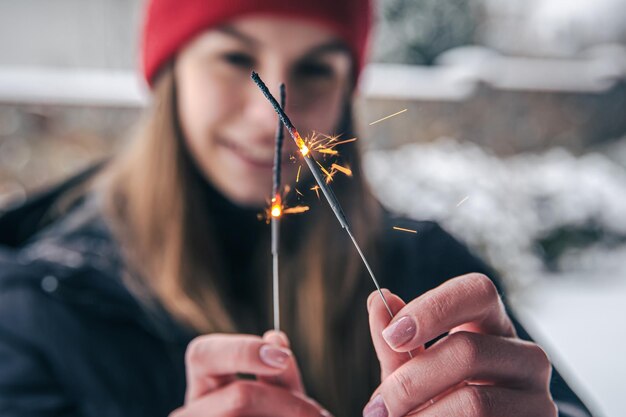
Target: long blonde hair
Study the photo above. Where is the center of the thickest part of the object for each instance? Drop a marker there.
(151, 200)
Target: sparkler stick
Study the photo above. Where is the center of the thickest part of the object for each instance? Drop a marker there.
(275, 213)
(317, 174)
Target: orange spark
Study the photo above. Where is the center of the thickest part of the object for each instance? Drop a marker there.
(388, 117)
(316, 188)
(402, 229)
(329, 175)
(296, 209)
(347, 171)
(342, 142)
(298, 175)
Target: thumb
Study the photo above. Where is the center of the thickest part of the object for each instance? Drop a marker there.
(379, 318)
(290, 378)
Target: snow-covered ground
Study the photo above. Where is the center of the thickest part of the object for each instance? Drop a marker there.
(553, 224)
(581, 324)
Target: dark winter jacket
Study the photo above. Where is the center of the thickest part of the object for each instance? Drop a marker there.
(75, 342)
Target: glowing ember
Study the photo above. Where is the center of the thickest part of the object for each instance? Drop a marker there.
(276, 208)
(304, 150)
(298, 175)
(276, 211)
(402, 229)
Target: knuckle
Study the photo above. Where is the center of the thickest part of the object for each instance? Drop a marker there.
(540, 356)
(240, 351)
(465, 349)
(437, 307)
(485, 286)
(477, 401)
(403, 384)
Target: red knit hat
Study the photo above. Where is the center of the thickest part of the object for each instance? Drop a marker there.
(170, 24)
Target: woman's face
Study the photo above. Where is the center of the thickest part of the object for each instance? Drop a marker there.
(229, 126)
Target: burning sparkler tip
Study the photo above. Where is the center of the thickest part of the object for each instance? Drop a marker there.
(276, 211)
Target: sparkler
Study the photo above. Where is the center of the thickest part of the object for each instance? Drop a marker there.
(275, 213)
(314, 167)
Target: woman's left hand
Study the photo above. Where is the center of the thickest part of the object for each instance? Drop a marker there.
(479, 369)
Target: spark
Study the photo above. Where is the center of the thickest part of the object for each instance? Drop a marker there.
(316, 188)
(347, 171)
(296, 209)
(343, 142)
(462, 201)
(329, 175)
(388, 117)
(299, 193)
(298, 174)
(402, 229)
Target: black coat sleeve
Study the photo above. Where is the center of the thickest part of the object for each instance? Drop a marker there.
(28, 386)
(433, 256)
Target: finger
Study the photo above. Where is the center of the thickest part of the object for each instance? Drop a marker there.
(211, 357)
(290, 378)
(489, 401)
(245, 397)
(471, 300)
(461, 357)
(379, 318)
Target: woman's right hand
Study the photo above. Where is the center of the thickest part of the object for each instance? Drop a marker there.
(214, 389)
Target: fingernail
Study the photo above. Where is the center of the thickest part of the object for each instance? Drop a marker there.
(326, 413)
(274, 356)
(400, 332)
(375, 408)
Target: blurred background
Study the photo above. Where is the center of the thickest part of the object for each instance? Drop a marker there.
(514, 138)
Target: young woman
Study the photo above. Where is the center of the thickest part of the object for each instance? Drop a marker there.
(142, 286)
